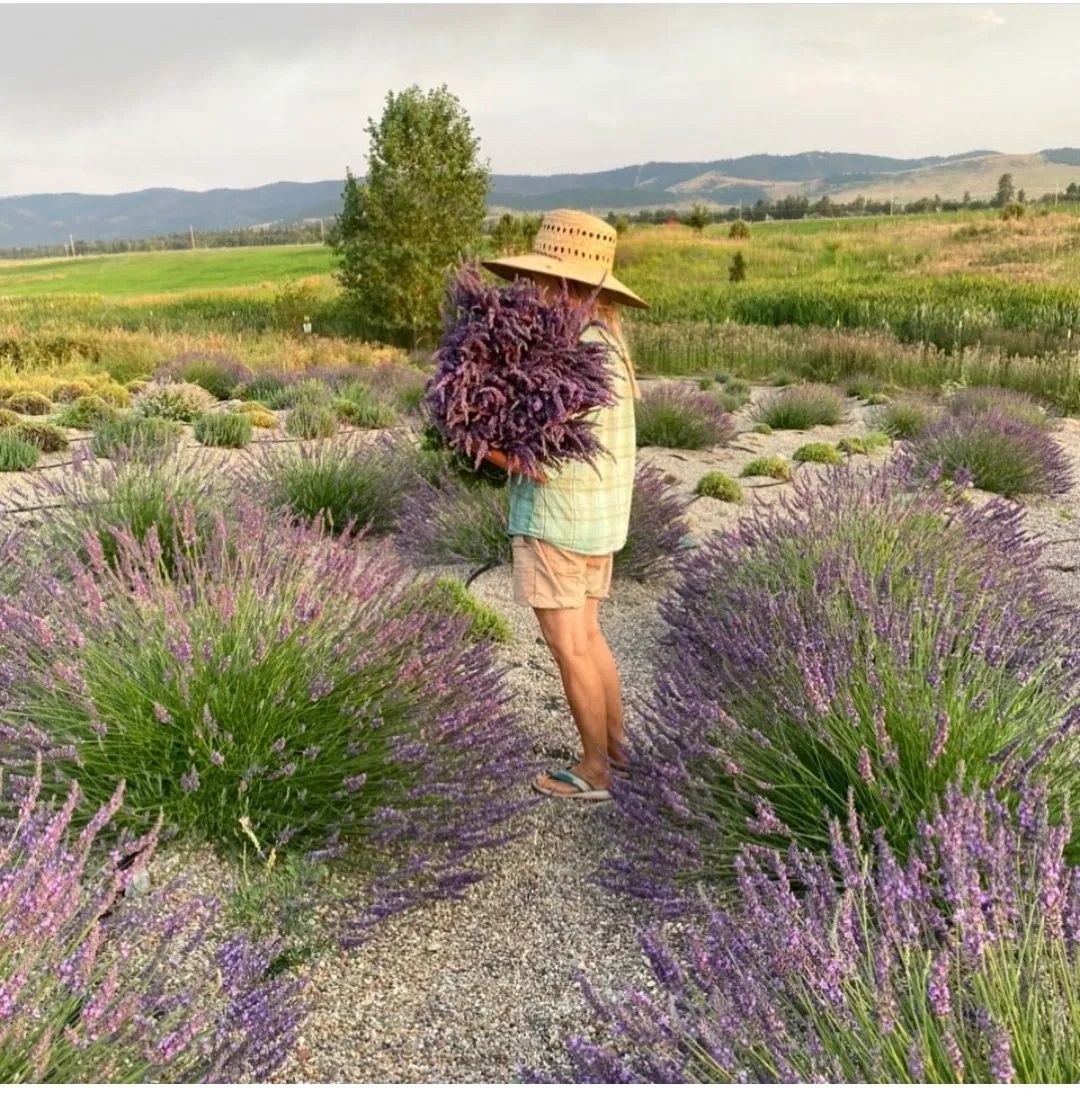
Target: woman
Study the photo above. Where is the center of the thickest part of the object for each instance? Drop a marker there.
(567, 527)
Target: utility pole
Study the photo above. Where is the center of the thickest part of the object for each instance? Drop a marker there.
(71, 239)
(192, 230)
(892, 196)
(322, 233)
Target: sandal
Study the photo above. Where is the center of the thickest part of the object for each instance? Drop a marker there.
(585, 790)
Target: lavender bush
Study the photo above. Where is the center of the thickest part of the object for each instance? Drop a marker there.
(995, 452)
(176, 402)
(280, 684)
(959, 963)
(861, 638)
(90, 977)
(986, 399)
(219, 374)
(800, 407)
(350, 483)
(447, 520)
(675, 416)
(513, 374)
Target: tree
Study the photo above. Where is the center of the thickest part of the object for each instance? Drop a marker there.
(1005, 191)
(737, 269)
(967, 198)
(698, 218)
(739, 229)
(417, 214)
(1021, 196)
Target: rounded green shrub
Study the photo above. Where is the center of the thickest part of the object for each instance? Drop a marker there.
(450, 596)
(903, 418)
(116, 395)
(16, 453)
(363, 410)
(223, 430)
(218, 374)
(49, 439)
(861, 386)
(176, 402)
(134, 437)
(263, 420)
(70, 390)
(29, 403)
(761, 428)
(674, 416)
(8, 418)
(718, 485)
(869, 443)
(777, 468)
(311, 420)
(801, 407)
(86, 412)
(819, 453)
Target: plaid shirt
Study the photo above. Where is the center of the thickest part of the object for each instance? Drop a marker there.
(579, 508)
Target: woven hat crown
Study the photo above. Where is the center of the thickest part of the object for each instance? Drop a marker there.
(576, 237)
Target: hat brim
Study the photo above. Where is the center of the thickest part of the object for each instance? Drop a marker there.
(528, 263)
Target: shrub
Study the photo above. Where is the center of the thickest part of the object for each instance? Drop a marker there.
(761, 428)
(861, 638)
(94, 978)
(263, 420)
(904, 419)
(268, 388)
(175, 402)
(775, 467)
(739, 229)
(49, 439)
(513, 374)
(705, 384)
(9, 418)
(737, 268)
(953, 964)
(349, 484)
(450, 596)
(218, 374)
(862, 387)
(252, 407)
(135, 437)
(115, 395)
(988, 400)
(996, 453)
(733, 395)
(128, 360)
(86, 412)
(70, 390)
(869, 443)
(365, 411)
(674, 416)
(29, 403)
(134, 387)
(292, 689)
(818, 453)
(718, 485)
(658, 530)
(800, 407)
(16, 453)
(223, 429)
(309, 420)
(137, 493)
(450, 520)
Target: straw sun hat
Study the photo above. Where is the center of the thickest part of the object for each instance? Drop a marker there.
(573, 246)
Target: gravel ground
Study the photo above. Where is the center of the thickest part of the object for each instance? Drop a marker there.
(475, 990)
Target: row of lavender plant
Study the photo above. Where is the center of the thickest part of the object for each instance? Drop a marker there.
(93, 986)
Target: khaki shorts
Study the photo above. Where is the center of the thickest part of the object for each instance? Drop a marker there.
(548, 577)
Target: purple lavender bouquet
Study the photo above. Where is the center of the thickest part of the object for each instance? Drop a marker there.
(957, 963)
(512, 375)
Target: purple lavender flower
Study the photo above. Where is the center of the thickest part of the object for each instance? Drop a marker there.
(88, 987)
(804, 977)
(513, 374)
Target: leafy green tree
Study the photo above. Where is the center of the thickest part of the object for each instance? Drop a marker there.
(739, 229)
(737, 269)
(417, 214)
(698, 218)
(1006, 193)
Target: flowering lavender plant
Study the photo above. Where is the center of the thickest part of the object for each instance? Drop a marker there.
(986, 399)
(91, 986)
(658, 530)
(863, 638)
(279, 684)
(219, 374)
(959, 963)
(995, 452)
(675, 416)
(513, 374)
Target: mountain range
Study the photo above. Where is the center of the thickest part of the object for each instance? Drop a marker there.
(50, 217)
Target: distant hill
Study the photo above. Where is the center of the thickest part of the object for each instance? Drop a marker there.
(50, 218)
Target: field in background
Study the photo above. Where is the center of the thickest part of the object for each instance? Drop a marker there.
(920, 299)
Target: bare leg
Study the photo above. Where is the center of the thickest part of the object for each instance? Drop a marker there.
(605, 664)
(567, 635)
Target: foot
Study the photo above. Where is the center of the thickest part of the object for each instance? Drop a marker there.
(616, 751)
(599, 780)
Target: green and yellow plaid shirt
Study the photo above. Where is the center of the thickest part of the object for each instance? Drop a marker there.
(579, 508)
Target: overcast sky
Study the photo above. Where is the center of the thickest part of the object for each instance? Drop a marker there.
(113, 98)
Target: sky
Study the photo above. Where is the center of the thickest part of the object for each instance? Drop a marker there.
(115, 98)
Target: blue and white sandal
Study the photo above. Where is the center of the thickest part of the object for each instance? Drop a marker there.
(585, 791)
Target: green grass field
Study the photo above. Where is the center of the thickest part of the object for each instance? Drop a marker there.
(165, 272)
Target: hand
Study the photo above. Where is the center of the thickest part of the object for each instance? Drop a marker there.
(498, 457)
